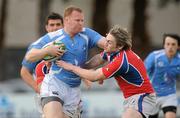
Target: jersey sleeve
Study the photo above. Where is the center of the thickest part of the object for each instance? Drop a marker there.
(150, 63)
(93, 37)
(29, 65)
(114, 67)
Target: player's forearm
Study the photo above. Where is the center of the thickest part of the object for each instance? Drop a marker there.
(85, 74)
(28, 78)
(35, 55)
(30, 82)
(94, 62)
(92, 75)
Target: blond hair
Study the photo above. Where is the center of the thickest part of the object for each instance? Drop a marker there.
(122, 36)
(70, 9)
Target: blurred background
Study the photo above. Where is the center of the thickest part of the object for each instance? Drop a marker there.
(22, 22)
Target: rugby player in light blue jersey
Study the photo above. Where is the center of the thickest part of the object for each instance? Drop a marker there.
(54, 22)
(163, 67)
(60, 90)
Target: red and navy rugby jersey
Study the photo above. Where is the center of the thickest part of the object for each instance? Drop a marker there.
(129, 71)
(40, 71)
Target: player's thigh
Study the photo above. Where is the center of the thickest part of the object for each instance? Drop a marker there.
(129, 112)
(169, 102)
(53, 109)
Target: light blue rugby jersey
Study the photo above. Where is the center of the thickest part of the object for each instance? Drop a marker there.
(76, 51)
(162, 72)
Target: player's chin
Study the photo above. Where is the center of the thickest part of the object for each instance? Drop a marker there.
(79, 29)
(171, 52)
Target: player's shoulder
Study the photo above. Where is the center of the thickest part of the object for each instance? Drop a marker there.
(159, 53)
(48, 37)
(90, 33)
(131, 54)
(178, 55)
(55, 33)
(87, 30)
(84, 33)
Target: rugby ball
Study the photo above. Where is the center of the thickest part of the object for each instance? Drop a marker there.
(53, 58)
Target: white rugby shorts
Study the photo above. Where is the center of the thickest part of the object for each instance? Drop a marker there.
(144, 103)
(53, 87)
(165, 101)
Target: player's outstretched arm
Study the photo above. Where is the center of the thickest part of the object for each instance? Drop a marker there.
(94, 62)
(92, 75)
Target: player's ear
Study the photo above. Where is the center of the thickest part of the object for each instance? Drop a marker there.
(66, 19)
(46, 27)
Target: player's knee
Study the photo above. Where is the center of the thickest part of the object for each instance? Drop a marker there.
(170, 109)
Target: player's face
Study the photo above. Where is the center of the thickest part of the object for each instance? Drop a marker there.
(170, 46)
(53, 25)
(75, 22)
(110, 45)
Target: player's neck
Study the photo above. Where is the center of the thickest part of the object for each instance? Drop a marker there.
(71, 34)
